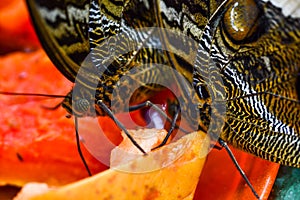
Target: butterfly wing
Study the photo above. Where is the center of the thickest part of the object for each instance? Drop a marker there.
(263, 109)
(62, 27)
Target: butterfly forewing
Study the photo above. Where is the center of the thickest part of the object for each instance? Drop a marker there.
(62, 27)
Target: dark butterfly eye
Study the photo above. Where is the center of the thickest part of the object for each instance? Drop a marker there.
(82, 105)
(241, 20)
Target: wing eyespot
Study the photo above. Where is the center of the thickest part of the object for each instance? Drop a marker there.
(242, 21)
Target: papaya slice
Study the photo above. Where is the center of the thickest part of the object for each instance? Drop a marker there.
(37, 144)
(175, 181)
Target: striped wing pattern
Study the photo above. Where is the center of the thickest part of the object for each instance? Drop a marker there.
(259, 67)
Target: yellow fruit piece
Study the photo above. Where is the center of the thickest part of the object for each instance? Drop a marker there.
(176, 180)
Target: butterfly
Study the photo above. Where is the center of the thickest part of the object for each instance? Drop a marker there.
(240, 87)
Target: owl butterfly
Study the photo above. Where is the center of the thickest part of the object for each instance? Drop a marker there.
(243, 73)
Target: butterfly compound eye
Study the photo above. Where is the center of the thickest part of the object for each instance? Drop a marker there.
(82, 105)
(241, 20)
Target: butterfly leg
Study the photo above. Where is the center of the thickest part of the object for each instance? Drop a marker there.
(120, 125)
(52, 108)
(79, 148)
(217, 147)
(159, 110)
(173, 126)
(224, 145)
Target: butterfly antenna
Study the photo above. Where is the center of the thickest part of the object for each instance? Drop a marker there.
(76, 120)
(224, 144)
(32, 94)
